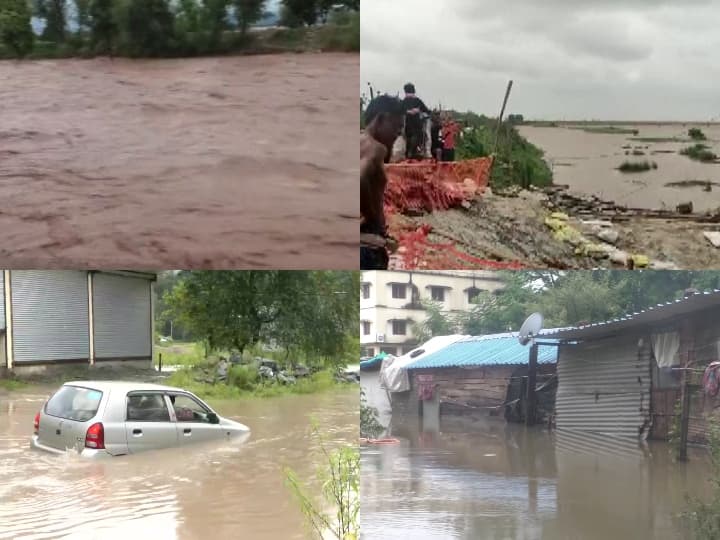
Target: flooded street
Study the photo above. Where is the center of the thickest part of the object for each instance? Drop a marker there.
(587, 161)
(214, 162)
(199, 492)
(505, 482)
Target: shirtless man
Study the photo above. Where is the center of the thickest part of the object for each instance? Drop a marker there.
(384, 121)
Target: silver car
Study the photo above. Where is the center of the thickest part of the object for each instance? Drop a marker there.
(112, 418)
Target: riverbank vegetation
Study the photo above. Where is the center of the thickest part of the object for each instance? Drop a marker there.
(370, 426)
(517, 161)
(696, 134)
(261, 332)
(164, 28)
(699, 152)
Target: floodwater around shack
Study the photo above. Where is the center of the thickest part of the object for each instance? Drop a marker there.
(216, 491)
(511, 483)
(228, 162)
(587, 162)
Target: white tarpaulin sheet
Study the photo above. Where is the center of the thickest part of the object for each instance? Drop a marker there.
(665, 347)
(393, 375)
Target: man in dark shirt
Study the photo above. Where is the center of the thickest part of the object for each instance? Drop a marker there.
(436, 142)
(414, 109)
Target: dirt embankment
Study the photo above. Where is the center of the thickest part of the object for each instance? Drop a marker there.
(515, 228)
(230, 162)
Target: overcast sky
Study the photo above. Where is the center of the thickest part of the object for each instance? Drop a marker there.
(569, 59)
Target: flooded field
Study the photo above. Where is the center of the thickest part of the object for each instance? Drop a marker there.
(506, 482)
(194, 493)
(587, 162)
(214, 162)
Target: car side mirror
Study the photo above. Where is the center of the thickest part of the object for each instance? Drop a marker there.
(213, 418)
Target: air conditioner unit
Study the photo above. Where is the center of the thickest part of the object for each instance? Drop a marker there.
(381, 338)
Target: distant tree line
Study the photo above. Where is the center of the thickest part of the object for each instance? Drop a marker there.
(565, 299)
(146, 28)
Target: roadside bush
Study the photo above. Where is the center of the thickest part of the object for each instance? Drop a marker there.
(696, 134)
(699, 152)
(15, 30)
(243, 377)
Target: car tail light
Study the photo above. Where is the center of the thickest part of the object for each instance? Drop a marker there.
(95, 437)
(36, 424)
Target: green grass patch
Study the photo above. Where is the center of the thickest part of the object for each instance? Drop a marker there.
(180, 354)
(699, 152)
(12, 384)
(636, 166)
(607, 130)
(243, 382)
(657, 139)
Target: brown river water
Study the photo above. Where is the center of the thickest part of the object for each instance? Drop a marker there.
(587, 162)
(505, 482)
(217, 491)
(232, 162)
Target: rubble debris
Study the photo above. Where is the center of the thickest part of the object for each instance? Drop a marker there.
(608, 235)
(685, 208)
(713, 237)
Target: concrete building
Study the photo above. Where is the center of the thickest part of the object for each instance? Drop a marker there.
(391, 301)
(49, 317)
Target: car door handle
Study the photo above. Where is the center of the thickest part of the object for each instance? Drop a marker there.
(187, 431)
(137, 432)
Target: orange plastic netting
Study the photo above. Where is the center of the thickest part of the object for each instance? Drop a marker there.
(426, 186)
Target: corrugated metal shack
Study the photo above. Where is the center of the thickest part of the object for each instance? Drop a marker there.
(49, 317)
(477, 377)
(625, 376)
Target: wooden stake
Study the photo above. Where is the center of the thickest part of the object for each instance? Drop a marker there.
(502, 113)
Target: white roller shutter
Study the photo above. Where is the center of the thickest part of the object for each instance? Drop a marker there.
(121, 317)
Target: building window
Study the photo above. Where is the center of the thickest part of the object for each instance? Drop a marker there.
(399, 291)
(399, 327)
(473, 293)
(366, 328)
(365, 291)
(388, 350)
(437, 294)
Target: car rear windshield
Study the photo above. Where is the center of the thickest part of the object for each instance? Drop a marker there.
(74, 403)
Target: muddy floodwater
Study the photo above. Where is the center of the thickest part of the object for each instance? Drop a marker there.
(214, 162)
(587, 162)
(509, 483)
(217, 491)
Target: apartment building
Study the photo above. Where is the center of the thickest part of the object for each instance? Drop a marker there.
(391, 302)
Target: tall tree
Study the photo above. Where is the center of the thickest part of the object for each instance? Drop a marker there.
(103, 26)
(248, 12)
(83, 14)
(299, 12)
(53, 11)
(15, 29)
(147, 27)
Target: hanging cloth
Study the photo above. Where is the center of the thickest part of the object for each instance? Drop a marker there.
(665, 348)
(711, 379)
(425, 391)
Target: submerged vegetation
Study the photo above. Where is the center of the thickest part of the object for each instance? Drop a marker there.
(610, 130)
(636, 166)
(370, 426)
(699, 152)
(337, 513)
(165, 28)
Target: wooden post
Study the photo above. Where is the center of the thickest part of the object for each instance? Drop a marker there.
(686, 356)
(531, 380)
(160, 362)
(502, 113)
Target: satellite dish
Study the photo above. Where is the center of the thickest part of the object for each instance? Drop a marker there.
(530, 328)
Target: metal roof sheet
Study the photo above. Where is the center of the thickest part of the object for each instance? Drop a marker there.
(653, 314)
(491, 350)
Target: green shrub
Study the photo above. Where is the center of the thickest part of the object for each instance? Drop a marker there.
(696, 134)
(636, 166)
(244, 377)
(699, 152)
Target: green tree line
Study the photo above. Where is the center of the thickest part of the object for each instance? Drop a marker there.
(311, 313)
(565, 299)
(147, 28)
